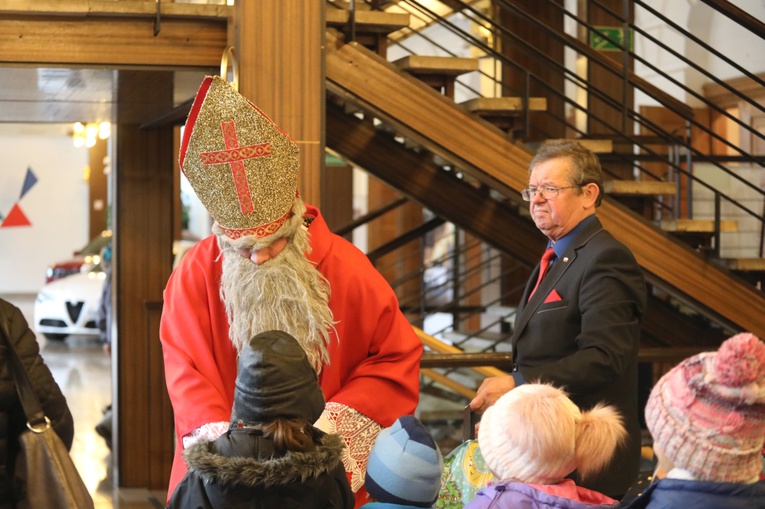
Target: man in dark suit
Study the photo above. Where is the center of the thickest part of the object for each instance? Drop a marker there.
(580, 328)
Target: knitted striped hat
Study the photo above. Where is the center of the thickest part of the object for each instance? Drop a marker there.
(405, 465)
(707, 415)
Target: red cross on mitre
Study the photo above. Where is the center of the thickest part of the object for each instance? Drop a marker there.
(234, 155)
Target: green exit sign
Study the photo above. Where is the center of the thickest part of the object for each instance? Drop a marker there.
(600, 43)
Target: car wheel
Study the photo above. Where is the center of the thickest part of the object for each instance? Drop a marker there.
(55, 337)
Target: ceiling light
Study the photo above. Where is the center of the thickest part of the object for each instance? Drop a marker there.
(85, 135)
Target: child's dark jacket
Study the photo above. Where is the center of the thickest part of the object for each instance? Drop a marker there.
(241, 470)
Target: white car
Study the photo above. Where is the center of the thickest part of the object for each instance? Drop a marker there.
(69, 306)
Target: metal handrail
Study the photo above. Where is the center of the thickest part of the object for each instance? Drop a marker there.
(370, 216)
(701, 43)
(633, 115)
(698, 68)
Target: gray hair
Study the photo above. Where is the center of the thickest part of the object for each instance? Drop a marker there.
(585, 166)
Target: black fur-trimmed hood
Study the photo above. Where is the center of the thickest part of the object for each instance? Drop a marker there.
(265, 471)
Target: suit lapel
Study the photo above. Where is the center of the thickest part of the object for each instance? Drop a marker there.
(527, 309)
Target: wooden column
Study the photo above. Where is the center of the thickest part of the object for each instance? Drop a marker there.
(338, 177)
(143, 236)
(97, 188)
(405, 261)
(385, 228)
(281, 70)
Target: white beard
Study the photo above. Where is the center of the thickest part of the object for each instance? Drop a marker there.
(286, 293)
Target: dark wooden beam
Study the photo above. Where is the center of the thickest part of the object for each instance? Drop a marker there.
(422, 181)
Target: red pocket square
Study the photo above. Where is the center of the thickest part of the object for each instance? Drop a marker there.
(553, 297)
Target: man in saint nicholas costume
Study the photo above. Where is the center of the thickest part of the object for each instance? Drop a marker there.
(273, 264)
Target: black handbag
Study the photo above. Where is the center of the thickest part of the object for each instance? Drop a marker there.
(44, 474)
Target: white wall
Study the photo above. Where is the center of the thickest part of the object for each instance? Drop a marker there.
(57, 206)
(200, 221)
(735, 42)
(716, 30)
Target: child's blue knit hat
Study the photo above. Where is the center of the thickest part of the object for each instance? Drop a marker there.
(405, 465)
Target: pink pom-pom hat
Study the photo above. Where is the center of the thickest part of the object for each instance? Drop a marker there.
(707, 414)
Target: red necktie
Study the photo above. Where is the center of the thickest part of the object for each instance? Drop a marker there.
(543, 266)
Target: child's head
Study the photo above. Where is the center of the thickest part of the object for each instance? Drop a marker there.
(405, 465)
(275, 379)
(536, 434)
(707, 414)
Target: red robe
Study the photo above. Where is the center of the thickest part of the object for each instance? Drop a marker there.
(374, 356)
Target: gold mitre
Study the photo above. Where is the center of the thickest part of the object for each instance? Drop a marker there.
(243, 168)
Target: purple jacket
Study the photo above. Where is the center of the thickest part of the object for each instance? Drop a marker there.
(514, 495)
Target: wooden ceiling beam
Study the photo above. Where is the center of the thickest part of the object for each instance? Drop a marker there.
(118, 39)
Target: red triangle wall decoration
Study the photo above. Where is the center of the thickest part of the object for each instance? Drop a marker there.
(15, 218)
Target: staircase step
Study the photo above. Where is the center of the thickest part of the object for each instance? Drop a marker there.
(438, 72)
(698, 226)
(346, 4)
(503, 106)
(439, 66)
(639, 187)
(747, 264)
(379, 22)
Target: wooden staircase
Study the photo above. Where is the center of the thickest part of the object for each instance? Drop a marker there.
(360, 77)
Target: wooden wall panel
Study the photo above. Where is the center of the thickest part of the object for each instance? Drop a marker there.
(337, 208)
(281, 70)
(545, 125)
(97, 198)
(383, 229)
(143, 261)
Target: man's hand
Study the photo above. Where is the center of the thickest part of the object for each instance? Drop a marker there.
(490, 391)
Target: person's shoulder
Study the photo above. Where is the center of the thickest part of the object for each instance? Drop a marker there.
(8, 308)
(204, 251)
(603, 241)
(206, 245)
(9, 312)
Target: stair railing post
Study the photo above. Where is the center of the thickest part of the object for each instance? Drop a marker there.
(456, 279)
(423, 288)
(762, 230)
(718, 201)
(350, 33)
(689, 166)
(526, 105)
(625, 61)
(676, 176)
(670, 176)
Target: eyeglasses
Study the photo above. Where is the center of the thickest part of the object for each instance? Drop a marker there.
(547, 192)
